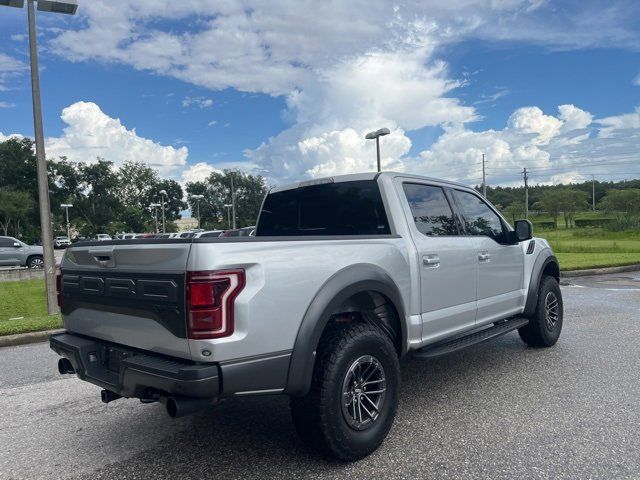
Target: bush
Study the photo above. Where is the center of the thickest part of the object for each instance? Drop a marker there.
(592, 222)
(624, 224)
(545, 225)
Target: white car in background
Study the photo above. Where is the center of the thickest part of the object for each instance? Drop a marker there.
(103, 237)
(61, 242)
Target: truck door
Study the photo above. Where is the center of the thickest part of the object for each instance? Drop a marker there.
(500, 264)
(446, 261)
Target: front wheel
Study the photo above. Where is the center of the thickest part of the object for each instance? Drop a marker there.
(545, 325)
(35, 262)
(354, 393)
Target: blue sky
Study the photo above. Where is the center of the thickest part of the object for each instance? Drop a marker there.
(272, 89)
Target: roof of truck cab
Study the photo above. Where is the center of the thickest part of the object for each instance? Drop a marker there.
(351, 177)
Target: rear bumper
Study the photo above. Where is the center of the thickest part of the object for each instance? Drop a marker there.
(131, 373)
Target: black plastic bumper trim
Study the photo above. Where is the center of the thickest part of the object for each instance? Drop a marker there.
(136, 374)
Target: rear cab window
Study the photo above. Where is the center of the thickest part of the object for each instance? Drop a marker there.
(430, 209)
(338, 209)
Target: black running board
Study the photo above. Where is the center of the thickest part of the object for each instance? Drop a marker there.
(473, 338)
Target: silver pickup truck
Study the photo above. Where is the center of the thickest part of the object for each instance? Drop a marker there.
(345, 276)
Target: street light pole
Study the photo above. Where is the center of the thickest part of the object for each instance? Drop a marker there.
(377, 134)
(163, 193)
(56, 6)
(43, 180)
(228, 206)
(233, 203)
(67, 206)
(197, 198)
(155, 214)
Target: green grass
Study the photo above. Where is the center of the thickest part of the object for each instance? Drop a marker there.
(29, 324)
(581, 261)
(23, 308)
(581, 248)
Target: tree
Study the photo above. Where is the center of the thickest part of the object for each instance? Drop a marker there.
(551, 202)
(14, 206)
(249, 193)
(573, 201)
(621, 203)
(515, 211)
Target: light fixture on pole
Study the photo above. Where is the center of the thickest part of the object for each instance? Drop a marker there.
(155, 214)
(67, 206)
(197, 198)
(56, 6)
(377, 134)
(163, 193)
(228, 207)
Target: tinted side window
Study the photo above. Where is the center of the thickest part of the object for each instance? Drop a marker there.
(6, 242)
(479, 218)
(344, 208)
(431, 211)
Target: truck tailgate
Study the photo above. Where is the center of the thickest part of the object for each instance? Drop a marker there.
(131, 293)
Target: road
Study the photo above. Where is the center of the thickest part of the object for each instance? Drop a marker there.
(497, 410)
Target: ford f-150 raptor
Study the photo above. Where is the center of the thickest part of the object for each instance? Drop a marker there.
(343, 277)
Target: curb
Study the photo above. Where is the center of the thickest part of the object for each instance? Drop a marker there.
(26, 338)
(599, 271)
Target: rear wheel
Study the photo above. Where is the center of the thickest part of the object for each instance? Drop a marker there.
(354, 393)
(545, 325)
(35, 262)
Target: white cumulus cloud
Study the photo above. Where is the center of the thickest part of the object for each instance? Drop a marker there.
(91, 133)
(198, 172)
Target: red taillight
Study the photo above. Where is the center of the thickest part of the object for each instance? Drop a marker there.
(59, 289)
(210, 299)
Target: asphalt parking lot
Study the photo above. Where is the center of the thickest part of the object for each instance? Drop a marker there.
(497, 410)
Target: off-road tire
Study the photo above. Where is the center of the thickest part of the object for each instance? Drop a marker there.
(318, 416)
(541, 331)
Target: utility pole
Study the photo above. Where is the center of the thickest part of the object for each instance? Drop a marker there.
(484, 179)
(593, 191)
(233, 202)
(526, 193)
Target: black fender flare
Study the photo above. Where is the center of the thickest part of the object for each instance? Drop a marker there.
(545, 257)
(335, 291)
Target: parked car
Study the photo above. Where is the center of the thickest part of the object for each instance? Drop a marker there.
(61, 242)
(344, 277)
(240, 232)
(15, 253)
(81, 238)
(208, 234)
(103, 237)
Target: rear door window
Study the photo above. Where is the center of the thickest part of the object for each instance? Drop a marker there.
(344, 208)
(430, 209)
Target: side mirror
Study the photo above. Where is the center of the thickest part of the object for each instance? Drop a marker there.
(524, 230)
(16, 245)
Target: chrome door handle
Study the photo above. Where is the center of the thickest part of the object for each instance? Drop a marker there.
(484, 256)
(431, 261)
